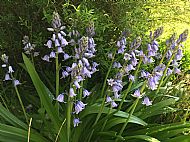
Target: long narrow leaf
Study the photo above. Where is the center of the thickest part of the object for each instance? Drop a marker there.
(17, 134)
(43, 93)
(95, 109)
(9, 117)
(143, 137)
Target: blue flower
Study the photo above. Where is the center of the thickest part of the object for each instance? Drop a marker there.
(169, 72)
(146, 101)
(113, 104)
(77, 85)
(66, 56)
(76, 122)
(116, 65)
(151, 83)
(72, 93)
(16, 82)
(177, 71)
(137, 93)
(127, 57)
(46, 58)
(79, 106)
(86, 93)
(60, 98)
(52, 54)
(7, 77)
(131, 78)
(179, 55)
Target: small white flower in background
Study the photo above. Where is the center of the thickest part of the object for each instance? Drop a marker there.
(10, 69)
(4, 65)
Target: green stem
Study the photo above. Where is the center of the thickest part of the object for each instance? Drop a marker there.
(68, 118)
(108, 72)
(21, 103)
(123, 98)
(134, 105)
(103, 126)
(165, 71)
(130, 85)
(102, 95)
(130, 114)
(19, 98)
(165, 52)
(57, 80)
(81, 90)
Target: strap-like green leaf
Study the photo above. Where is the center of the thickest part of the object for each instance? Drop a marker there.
(9, 117)
(43, 93)
(13, 134)
(95, 109)
(142, 137)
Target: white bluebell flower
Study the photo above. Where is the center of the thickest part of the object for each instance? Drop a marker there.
(4, 65)
(10, 69)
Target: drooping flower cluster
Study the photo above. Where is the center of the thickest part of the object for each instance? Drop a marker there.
(29, 48)
(9, 70)
(81, 69)
(58, 41)
(126, 69)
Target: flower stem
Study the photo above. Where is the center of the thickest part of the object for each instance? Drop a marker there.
(104, 98)
(134, 105)
(123, 99)
(165, 71)
(21, 103)
(130, 85)
(57, 80)
(130, 114)
(69, 105)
